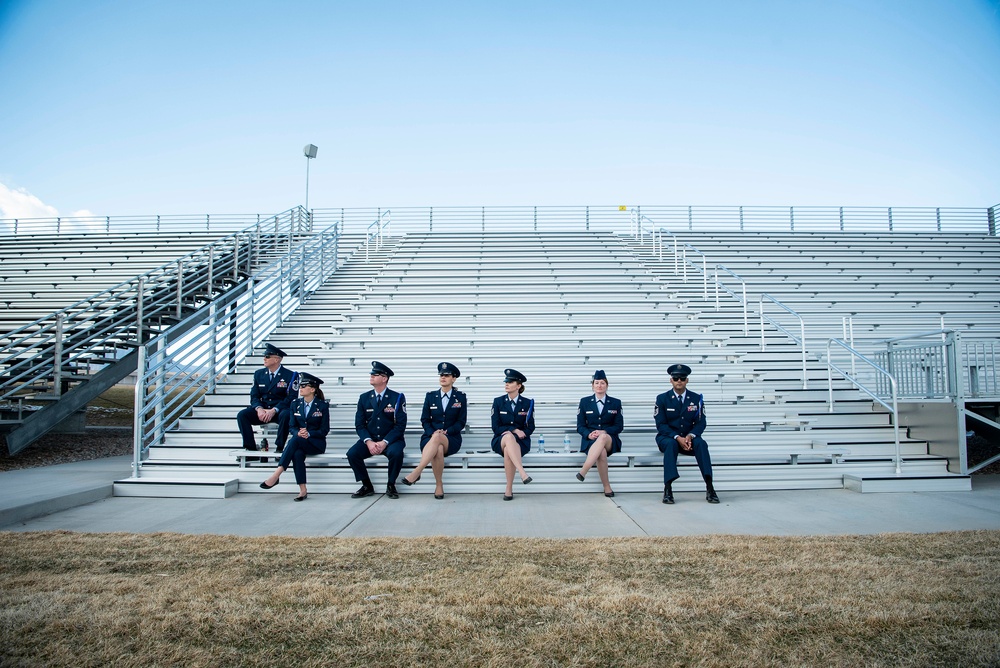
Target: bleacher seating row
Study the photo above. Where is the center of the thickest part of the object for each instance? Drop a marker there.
(566, 304)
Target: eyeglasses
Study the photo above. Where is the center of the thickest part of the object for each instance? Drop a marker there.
(450, 375)
(679, 378)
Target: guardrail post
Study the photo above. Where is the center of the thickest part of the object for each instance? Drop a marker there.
(253, 309)
(138, 411)
(208, 223)
(58, 354)
(302, 275)
(587, 216)
(482, 220)
(157, 223)
(211, 272)
(180, 286)
(841, 219)
(991, 220)
(536, 218)
(58, 225)
(890, 218)
(937, 213)
(741, 219)
(791, 218)
(430, 219)
(690, 220)
(107, 224)
(139, 299)
(213, 351)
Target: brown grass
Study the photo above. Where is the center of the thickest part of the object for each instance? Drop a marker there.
(166, 599)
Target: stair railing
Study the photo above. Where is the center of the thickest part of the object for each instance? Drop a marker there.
(883, 373)
(98, 330)
(175, 371)
(376, 230)
(800, 339)
(741, 298)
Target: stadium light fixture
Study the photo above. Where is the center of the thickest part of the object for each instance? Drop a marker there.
(310, 152)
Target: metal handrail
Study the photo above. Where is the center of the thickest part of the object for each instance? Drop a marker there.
(801, 339)
(704, 266)
(691, 218)
(80, 225)
(830, 366)
(381, 224)
(97, 330)
(174, 371)
(742, 300)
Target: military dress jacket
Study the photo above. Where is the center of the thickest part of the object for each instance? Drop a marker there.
(678, 418)
(452, 418)
(610, 420)
(277, 393)
(317, 423)
(382, 421)
(504, 418)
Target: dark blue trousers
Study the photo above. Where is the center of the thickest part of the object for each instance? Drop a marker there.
(701, 456)
(247, 418)
(359, 453)
(295, 454)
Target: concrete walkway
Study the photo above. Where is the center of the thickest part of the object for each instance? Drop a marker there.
(77, 497)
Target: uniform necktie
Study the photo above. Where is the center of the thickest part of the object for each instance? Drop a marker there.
(600, 405)
(271, 377)
(444, 400)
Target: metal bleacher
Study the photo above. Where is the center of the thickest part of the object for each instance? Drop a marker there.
(80, 296)
(559, 303)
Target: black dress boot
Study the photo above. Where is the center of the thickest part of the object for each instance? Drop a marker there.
(710, 494)
(668, 495)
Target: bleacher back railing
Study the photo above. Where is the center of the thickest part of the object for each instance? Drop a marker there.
(45, 356)
(175, 372)
(677, 218)
(175, 223)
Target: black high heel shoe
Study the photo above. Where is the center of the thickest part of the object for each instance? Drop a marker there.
(264, 485)
(301, 497)
(411, 484)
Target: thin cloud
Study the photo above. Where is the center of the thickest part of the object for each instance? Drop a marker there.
(20, 203)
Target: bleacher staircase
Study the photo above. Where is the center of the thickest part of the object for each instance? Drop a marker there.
(555, 306)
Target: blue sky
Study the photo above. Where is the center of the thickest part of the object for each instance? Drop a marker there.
(121, 107)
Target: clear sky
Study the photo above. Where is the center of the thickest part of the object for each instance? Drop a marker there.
(122, 107)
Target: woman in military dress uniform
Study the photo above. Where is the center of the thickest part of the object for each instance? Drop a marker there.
(443, 418)
(513, 419)
(309, 424)
(599, 421)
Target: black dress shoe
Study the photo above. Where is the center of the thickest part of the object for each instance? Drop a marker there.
(391, 492)
(410, 484)
(363, 492)
(579, 476)
(712, 497)
(609, 494)
(264, 485)
(301, 497)
(668, 496)
(508, 498)
(439, 496)
(526, 480)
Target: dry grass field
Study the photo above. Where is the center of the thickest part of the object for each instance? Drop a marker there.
(176, 600)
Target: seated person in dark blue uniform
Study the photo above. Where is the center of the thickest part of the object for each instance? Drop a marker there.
(513, 420)
(599, 420)
(270, 397)
(380, 422)
(443, 418)
(310, 423)
(680, 422)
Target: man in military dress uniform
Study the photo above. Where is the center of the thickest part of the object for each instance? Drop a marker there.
(271, 396)
(680, 422)
(380, 422)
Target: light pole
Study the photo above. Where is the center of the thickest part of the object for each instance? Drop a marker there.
(310, 152)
